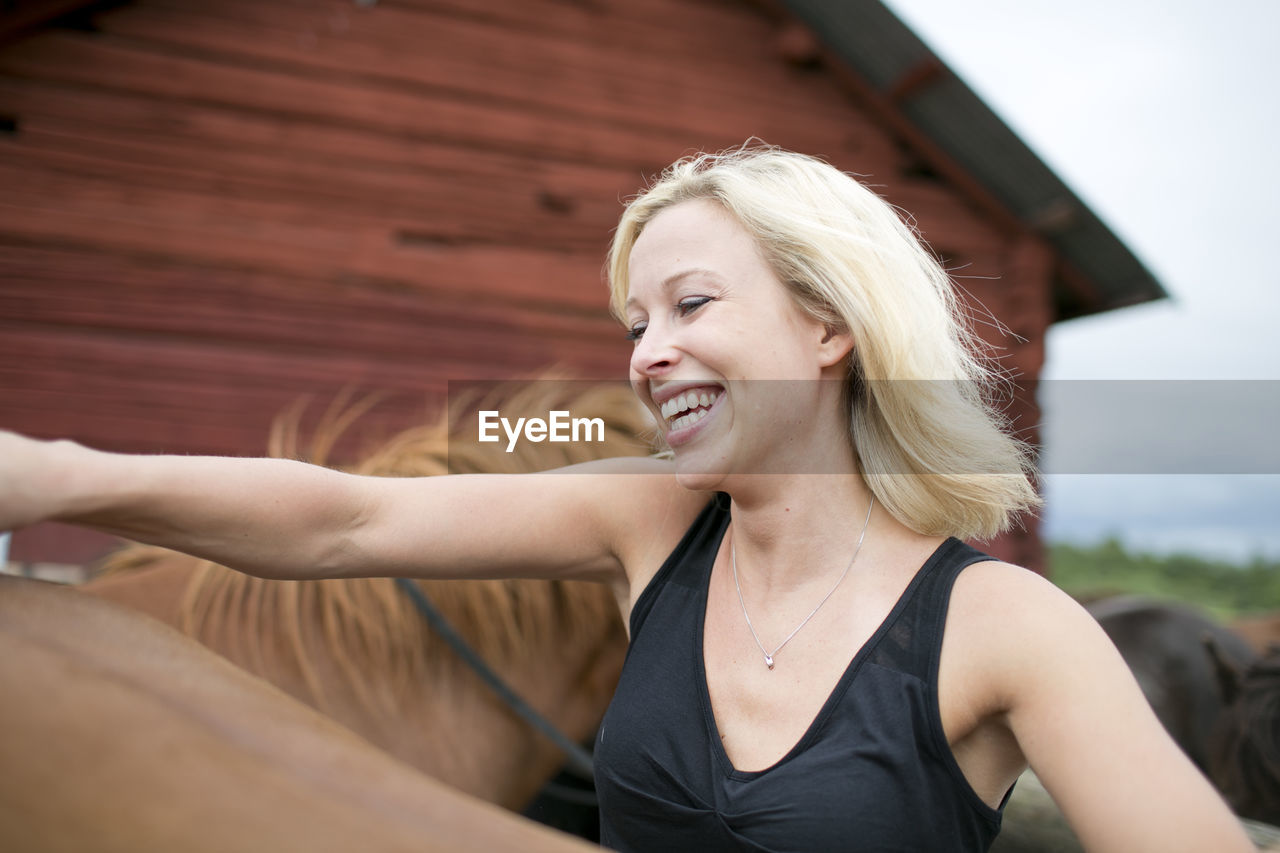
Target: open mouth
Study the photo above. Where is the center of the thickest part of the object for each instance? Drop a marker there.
(684, 410)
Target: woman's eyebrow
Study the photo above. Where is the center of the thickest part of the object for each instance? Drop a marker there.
(676, 278)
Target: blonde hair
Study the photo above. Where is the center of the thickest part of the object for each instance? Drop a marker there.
(930, 445)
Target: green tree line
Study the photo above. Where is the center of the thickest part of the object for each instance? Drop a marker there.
(1223, 588)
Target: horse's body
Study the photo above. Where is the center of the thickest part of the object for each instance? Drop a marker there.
(358, 651)
(1244, 755)
(432, 713)
(1218, 700)
(1164, 645)
(120, 734)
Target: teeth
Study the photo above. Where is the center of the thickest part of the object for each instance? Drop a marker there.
(688, 420)
(697, 400)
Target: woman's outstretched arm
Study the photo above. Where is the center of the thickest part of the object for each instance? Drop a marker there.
(1082, 722)
(286, 519)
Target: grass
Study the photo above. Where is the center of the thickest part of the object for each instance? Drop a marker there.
(1225, 589)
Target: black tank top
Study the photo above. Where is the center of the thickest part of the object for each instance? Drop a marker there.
(874, 771)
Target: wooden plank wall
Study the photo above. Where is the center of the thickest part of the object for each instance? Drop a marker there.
(212, 208)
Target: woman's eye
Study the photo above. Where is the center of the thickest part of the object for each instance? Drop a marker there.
(685, 307)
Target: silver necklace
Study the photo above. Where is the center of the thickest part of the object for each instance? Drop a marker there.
(733, 561)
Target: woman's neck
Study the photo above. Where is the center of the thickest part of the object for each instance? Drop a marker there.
(790, 530)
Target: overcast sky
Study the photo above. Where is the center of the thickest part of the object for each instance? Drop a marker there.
(1163, 117)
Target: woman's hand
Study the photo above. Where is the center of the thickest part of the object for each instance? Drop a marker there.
(261, 515)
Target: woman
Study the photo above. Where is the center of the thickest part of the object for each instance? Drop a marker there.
(816, 663)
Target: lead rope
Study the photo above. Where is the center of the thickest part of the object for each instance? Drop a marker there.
(578, 759)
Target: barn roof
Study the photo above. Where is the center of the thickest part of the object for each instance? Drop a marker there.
(914, 89)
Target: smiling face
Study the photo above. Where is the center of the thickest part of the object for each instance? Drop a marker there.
(707, 314)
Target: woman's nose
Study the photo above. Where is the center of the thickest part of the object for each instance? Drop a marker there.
(654, 354)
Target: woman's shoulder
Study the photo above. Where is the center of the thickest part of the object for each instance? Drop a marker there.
(994, 593)
(1007, 603)
(1017, 627)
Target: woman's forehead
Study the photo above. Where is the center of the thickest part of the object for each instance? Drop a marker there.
(677, 220)
(697, 234)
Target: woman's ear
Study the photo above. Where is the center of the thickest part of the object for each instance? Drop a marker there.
(835, 346)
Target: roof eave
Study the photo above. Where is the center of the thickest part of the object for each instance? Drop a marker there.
(912, 90)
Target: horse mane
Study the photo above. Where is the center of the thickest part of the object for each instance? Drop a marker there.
(363, 630)
(1245, 759)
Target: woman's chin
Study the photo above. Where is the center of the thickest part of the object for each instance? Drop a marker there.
(700, 472)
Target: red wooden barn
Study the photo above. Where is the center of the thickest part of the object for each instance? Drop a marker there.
(209, 208)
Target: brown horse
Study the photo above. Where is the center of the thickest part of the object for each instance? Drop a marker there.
(357, 650)
(120, 735)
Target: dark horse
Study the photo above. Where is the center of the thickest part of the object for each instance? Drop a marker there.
(1244, 748)
(1209, 688)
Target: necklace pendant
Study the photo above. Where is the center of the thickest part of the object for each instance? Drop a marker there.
(768, 660)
